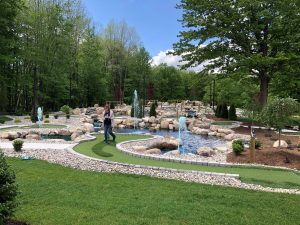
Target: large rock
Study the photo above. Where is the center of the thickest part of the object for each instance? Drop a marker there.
(33, 136)
(225, 131)
(4, 135)
(118, 121)
(88, 127)
(139, 148)
(214, 128)
(205, 151)
(64, 132)
(171, 127)
(146, 119)
(153, 151)
(13, 135)
(282, 144)
(142, 125)
(99, 110)
(229, 137)
(173, 153)
(76, 111)
(168, 143)
(164, 124)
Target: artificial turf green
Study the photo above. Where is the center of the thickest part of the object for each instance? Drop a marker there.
(266, 177)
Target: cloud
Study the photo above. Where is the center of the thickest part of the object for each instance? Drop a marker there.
(174, 60)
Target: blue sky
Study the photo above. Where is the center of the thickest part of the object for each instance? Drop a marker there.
(154, 20)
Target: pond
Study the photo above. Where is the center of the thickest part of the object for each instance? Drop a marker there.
(190, 142)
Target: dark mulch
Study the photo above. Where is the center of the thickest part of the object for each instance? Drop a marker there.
(15, 222)
(268, 155)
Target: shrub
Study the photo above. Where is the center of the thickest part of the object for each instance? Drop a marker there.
(47, 116)
(65, 109)
(232, 113)
(8, 190)
(224, 111)
(68, 116)
(2, 121)
(18, 144)
(46, 121)
(289, 142)
(153, 110)
(56, 116)
(237, 147)
(257, 144)
(18, 121)
(218, 111)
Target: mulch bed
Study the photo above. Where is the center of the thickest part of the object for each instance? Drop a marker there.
(268, 155)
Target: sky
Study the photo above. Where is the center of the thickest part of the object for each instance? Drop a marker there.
(156, 22)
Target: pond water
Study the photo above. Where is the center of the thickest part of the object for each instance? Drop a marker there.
(190, 142)
(64, 137)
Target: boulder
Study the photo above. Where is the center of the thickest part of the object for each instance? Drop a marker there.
(142, 125)
(168, 143)
(214, 128)
(164, 124)
(4, 135)
(139, 148)
(94, 116)
(153, 151)
(64, 132)
(99, 110)
(171, 127)
(229, 137)
(221, 148)
(146, 119)
(282, 144)
(213, 133)
(76, 111)
(205, 151)
(33, 137)
(13, 135)
(118, 121)
(152, 129)
(225, 131)
(88, 127)
(173, 153)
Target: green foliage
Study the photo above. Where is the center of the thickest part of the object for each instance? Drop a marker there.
(277, 112)
(252, 37)
(18, 144)
(153, 110)
(56, 116)
(232, 113)
(258, 144)
(47, 116)
(2, 120)
(18, 121)
(8, 190)
(65, 109)
(224, 111)
(68, 116)
(46, 121)
(218, 110)
(237, 147)
(112, 105)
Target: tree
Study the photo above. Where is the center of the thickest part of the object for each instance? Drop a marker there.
(153, 110)
(277, 112)
(8, 190)
(232, 113)
(251, 38)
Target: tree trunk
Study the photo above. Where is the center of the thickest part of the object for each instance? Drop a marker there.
(34, 99)
(264, 85)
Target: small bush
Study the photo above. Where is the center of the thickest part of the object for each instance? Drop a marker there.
(65, 109)
(257, 144)
(2, 121)
(55, 116)
(232, 113)
(8, 190)
(68, 116)
(18, 121)
(237, 147)
(18, 144)
(47, 116)
(153, 110)
(46, 121)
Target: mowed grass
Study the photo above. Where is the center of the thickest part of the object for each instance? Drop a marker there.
(266, 177)
(52, 194)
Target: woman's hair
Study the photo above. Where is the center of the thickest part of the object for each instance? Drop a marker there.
(107, 107)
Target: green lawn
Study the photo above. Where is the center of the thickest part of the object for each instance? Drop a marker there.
(266, 177)
(52, 194)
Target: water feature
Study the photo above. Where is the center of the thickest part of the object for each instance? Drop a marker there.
(40, 116)
(182, 128)
(136, 108)
(190, 142)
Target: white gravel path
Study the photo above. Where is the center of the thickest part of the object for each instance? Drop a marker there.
(64, 155)
(26, 146)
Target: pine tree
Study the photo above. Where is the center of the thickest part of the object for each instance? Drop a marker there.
(224, 111)
(153, 110)
(232, 113)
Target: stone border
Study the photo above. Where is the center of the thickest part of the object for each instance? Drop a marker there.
(204, 163)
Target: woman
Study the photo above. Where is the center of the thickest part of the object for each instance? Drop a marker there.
(108, 116)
